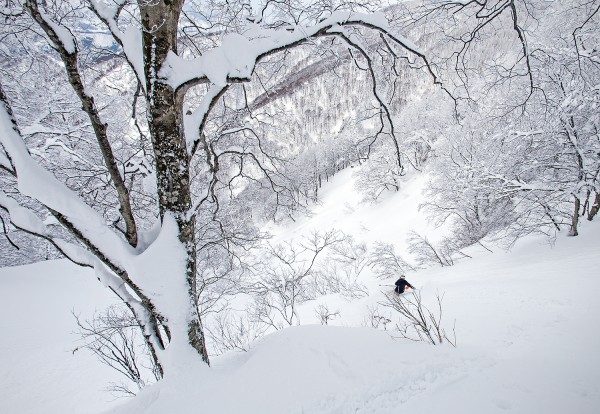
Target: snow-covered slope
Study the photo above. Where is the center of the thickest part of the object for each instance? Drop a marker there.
(526, 325)
(38, 371)
(341, 207)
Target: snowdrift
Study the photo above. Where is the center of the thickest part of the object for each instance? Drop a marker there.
(312, 369)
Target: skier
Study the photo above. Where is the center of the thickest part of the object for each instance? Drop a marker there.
(402, 284)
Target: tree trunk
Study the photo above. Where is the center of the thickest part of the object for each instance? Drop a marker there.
(595, 207)
(575, 219)
(165, 120)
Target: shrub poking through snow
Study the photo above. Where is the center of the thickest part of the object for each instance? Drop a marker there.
(114, 337)
(418, 322)
(325, 314)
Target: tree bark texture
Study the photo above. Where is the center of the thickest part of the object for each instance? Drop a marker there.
(165, 120)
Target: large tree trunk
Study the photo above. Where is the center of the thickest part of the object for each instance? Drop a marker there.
(165, 107)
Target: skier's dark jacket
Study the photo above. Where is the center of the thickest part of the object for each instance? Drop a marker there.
(401, 284)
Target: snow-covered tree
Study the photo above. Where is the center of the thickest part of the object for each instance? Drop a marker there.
(524, 157)
(155, 193)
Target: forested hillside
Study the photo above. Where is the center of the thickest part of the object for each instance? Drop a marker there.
(226, 170)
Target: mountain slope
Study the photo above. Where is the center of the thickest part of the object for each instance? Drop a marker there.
(525, 325)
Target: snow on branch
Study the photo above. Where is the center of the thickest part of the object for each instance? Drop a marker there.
(26, 220)
(69, 56)
(110, 250)
(235, 59)
(130, 40)
(194, 123)
(5, 163)
(38, 183)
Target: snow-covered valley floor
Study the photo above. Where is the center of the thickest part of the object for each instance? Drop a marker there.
(527, 327)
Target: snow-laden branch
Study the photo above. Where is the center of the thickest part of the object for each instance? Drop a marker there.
(66, 47)
(107, 253)
(235, 60)
(130, 40)
(26, 220)
(38, 183)
(236, 57)
(5, 162)
(194, 123)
